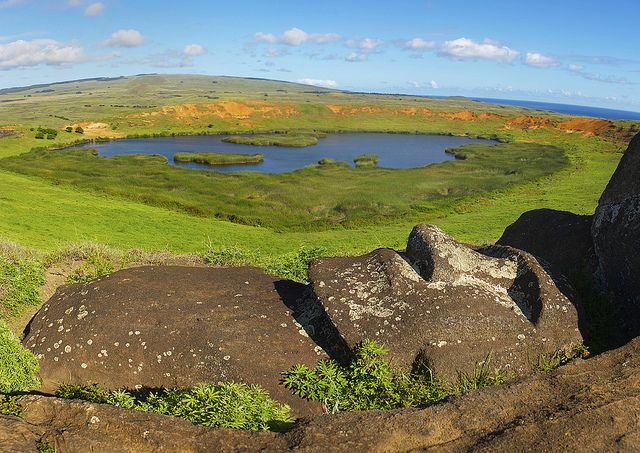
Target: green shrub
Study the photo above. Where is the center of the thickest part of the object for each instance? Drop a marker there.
(229, 405)
(227, 256)
(295, 265)
(370, 382)
(20, 283)
(96, 265)
(18, 365)
(9, 405)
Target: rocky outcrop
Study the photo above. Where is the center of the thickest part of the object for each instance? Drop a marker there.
(444, 305)
(586, 406)
(616, 236)
(173, 326)
(559, 239)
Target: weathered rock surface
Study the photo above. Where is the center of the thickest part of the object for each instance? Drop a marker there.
(445, 304)
(616, 236)
(558, 238)
(173, 326)
(586, 406)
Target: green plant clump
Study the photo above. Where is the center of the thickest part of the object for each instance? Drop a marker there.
(44, 447)
(295, 265)
(228, 405)
(550, 361)
(18, 365)
(370, 382)
(20, 282)
(96, 265)
(9, 405)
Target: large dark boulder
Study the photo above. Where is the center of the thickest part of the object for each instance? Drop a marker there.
(559, 239)
(173, 326)
(616, 237)
(444, 304)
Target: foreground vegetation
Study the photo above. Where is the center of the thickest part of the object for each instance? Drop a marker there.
(219, 158)
(227, 405)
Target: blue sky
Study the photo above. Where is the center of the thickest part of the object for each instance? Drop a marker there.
(580, 52)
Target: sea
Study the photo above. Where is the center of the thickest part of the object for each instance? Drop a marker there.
(568, 109)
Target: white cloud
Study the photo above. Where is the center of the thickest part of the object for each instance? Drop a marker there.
(433, 84)
(575, 67)
(74, 3)
(266, 37)
(538, 60)
(319, 82)
(94, 9)
(296, 36)
(417, 44)
(21, 53)
(10, 3)
(124, 38)
(193, 50)
(365, 43)
(463, 48)
(322, 38)
(355, 57)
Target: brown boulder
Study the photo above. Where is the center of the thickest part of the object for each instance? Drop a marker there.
(173, 326)
(616, 237)
(445, 303)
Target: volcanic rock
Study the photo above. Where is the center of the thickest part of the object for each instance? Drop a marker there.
(616, 236)
(173, 327)
(445, 305)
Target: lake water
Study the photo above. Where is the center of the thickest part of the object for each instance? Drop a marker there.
(394, 150)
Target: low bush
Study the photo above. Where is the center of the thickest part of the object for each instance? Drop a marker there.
(228, 405)
(370, 382)
(295, 265)
(18, 365)
(95, 266)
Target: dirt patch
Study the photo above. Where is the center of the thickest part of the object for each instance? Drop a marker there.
(465, 115)
(8, 131)
(529, 122)
(587, 126)
(225, 110)
(95, 130)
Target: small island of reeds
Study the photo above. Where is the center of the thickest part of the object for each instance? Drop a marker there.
(214, 159)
